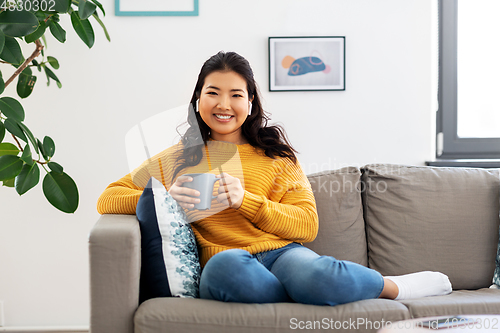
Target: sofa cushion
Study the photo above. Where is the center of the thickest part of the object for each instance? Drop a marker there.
(169, 256)
(201, 315)
(431, 218)
(482, 301)
(341, 226)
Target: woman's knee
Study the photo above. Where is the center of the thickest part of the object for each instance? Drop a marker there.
(223, 264)
(236, 276)
(345, 281)
(220, 269)
(320, 282)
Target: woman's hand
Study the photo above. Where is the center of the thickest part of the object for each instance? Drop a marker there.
(184, 195)
(231, 192)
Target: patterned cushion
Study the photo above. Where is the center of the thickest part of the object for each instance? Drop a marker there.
(170, 264)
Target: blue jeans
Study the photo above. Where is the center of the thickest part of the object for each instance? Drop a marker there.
(292, 273)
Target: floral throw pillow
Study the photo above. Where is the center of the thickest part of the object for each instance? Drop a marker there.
(170, 264)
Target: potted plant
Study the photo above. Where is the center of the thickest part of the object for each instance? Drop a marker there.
(22, 154)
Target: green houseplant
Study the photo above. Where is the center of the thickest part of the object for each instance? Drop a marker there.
(27, 21)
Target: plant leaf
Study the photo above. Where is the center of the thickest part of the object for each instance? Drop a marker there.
(7, 148)
(37, 34)
(61, 191)
(61, 6)
(51, 74)
(18, 23)
(2, 41)
(13, 127)
(100, 6)
(11, 108)
(84, 29)
(46, 74)
(85, 9)
(2, 85)
(41, 16)
(55, 17)
(29, 135)
(26, 155)
(49, 146)
(45, 43)
(27, 178)
(57, 168)
(10, 166)
(103, 26)
(9, 182)
(25, 83)
(27, 71)
(12, 51)
(53, 62)
(37, 65)
(40, 146)
(57, 31)
(2, 131)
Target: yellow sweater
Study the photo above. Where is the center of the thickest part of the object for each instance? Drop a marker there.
(278, 207)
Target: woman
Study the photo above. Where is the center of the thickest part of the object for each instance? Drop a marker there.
(251, 252)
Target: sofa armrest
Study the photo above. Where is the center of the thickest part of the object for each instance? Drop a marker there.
(115, 261)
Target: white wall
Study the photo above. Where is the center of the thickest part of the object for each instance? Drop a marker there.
(151, 65)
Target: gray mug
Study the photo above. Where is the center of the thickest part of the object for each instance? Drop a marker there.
(203, 183)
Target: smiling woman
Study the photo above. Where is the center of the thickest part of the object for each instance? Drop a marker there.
(224, 105)
(254, 129)
(252, 249)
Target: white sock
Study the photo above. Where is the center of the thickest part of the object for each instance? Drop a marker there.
(421, 284)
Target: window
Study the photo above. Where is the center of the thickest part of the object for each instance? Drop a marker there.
(468, 118)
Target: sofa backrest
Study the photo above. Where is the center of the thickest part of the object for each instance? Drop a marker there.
(341, 226)
(401, 219)
(432, 218)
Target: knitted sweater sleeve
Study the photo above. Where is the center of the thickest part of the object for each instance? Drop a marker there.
(120, 197)
(291, 213)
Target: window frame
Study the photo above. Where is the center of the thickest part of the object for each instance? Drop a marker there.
(448, 144)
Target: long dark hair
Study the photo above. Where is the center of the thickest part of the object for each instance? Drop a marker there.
(272, 139)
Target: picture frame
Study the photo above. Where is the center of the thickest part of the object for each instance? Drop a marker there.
(156, 8)
(307, 63)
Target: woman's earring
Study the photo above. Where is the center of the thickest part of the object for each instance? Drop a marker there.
(197, 109)
(249, 108)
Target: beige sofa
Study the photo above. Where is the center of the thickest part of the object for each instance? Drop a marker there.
(395, 219)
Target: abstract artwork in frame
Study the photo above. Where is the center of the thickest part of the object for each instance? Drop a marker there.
(306, 63)
(156, 8)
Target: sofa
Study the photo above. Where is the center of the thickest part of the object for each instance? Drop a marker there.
(395, 219)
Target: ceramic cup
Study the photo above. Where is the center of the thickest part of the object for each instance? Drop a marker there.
(203, 183)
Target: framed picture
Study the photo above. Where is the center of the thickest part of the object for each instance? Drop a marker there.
(306, 63)
(156, 8)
